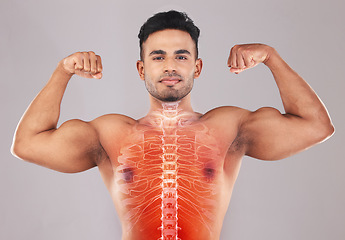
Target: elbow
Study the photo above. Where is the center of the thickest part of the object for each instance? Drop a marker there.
(18, 149)
(324, 131)
(17, 145)
(321, 127)
(330, 130)
(15, 150)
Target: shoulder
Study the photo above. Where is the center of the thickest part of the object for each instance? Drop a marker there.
(112, 129)
(240, 115)
(237, 124)
(113, 118)
(226, 122)
(112, 122)
(226, 115)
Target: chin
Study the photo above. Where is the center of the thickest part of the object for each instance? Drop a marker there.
(171, 99)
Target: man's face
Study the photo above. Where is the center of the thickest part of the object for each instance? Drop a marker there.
(169, 65)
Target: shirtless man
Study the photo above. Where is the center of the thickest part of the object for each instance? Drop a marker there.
(172, 172)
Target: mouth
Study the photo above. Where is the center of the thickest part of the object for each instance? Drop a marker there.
(170, 81)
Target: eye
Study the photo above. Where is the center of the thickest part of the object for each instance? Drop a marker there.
(158, 58)
(181, 58)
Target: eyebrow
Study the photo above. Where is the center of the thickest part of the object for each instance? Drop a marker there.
(183, 51)
(161, 52)
(157, 52)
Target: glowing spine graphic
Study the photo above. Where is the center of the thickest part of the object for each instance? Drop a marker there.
(169, 207)
(166, 177)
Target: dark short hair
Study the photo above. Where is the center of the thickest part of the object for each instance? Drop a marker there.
(168, 20)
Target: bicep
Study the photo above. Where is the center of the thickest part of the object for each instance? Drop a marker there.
(270, 135)
(73, 147)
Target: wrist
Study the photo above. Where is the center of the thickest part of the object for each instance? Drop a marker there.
(60, 76)
(270, 52)
(272, 57)
(60, 69)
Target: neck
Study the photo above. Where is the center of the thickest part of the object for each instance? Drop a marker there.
(170, 114)
(181, 106)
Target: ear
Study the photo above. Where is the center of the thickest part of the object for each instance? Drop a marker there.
(198, 67)
(140, 68)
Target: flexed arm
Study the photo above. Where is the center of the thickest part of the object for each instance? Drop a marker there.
(74, 146)
(267, 133)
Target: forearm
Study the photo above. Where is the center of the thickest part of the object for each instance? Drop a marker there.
(44, 111)
(298, 98)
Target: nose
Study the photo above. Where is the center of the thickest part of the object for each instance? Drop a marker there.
(169, 65)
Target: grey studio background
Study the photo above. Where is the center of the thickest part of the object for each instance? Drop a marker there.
(301, 197)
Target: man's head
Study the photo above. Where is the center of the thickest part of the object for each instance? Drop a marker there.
(169, 62)
(168, 20)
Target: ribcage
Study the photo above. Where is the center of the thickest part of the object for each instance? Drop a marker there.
(167, 181)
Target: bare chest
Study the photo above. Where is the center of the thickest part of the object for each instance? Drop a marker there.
(167, 181)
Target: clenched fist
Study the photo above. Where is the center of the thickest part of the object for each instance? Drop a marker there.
(247, 56)
(84, 64)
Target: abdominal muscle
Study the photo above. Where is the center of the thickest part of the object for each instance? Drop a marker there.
(169, 180)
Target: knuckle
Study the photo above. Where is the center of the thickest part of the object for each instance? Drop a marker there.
(241, 47)
(77, 54)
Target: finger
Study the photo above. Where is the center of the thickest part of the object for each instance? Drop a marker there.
(248, 61)
(240, 60)
(97, 75)
(232, 58)
(86, 61)
(236, 70)
(229, 60)
(78, 61)
(93, 62)
(99, 64)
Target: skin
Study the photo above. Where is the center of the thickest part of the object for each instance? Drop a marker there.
(169, 67)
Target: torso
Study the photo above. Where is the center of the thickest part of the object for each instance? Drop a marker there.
(170, 175)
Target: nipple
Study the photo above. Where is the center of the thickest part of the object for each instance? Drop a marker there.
(209, 173)
(128, 174)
